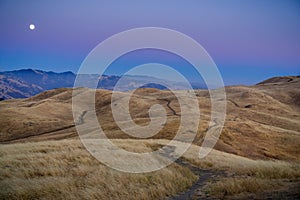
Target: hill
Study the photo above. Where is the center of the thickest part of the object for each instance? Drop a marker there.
(262, 117)
(256, 157)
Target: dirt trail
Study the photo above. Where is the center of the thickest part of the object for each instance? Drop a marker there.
(79, 121)
(36, 134)
(168, 105)
(203, 175)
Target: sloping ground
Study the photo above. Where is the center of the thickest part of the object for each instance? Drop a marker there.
(262, 121)
(287, 89)
(262, 130)
(65, 170)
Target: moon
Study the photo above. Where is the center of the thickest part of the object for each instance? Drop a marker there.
(32, 26)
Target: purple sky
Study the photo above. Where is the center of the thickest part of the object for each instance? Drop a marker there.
(248, 40)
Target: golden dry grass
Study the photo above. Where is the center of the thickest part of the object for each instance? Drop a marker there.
(244, 175)
(258, 148)
(233, 186)
(238, 165)
(269, 127)
(65, 170)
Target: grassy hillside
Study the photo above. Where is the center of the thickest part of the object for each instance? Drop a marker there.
(257, 155)
(264, 118)
(65, 170)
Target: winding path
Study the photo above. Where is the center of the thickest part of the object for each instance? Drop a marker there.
(203, 175)
(168, 105)
(79, 121)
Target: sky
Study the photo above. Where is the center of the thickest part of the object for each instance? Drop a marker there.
(248, 40)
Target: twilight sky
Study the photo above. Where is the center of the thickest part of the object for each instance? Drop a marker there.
(248, 40)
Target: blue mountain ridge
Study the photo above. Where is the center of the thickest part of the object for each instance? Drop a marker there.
(29, 82)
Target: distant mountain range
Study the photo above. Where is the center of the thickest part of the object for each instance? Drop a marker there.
(28, 82)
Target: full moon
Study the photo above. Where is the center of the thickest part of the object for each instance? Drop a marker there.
(32, 26)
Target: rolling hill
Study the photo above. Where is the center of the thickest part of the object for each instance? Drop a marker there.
(256, 157)
(264, 117)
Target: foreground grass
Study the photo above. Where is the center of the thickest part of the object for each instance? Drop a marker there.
(246, 176)
(243, 175)
(233, 186)
(241, 166)
(65, 170)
